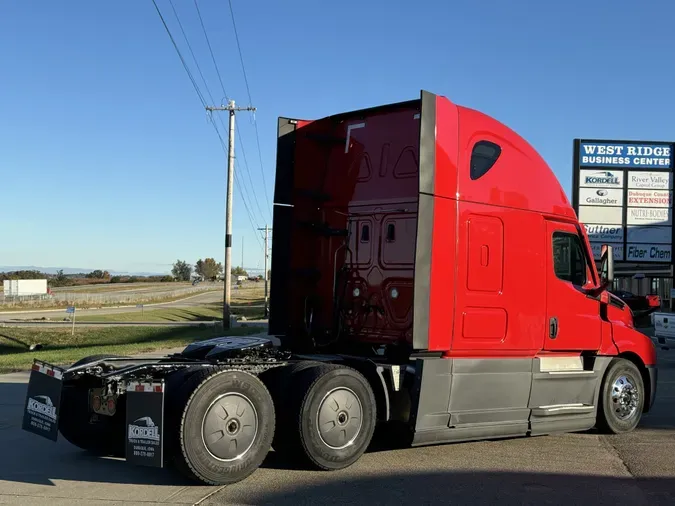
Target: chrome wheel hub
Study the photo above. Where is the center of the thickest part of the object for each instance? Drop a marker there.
(229, 427)
(339, 418)
(625, 397)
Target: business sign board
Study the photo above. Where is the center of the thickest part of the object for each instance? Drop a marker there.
(600, 215)
(602, 179)
(649, 198)
(650, 180)
(625, 154)
(623, 194)
(600, 197)
(616, 248)
(603, 234)
(648, 235)
(649, 253)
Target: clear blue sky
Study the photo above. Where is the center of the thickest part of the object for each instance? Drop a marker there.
(107, 159)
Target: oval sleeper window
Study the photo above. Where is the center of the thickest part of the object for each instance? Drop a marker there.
(483, 157)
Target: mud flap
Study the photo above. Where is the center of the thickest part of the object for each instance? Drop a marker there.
(145, 424)
(43, 400)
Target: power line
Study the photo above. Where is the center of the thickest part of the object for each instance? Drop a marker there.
(201, 98)
(248, 172)
(250, 100)
(187, 69)
(194, 58)
(208, 91)
(213, 58)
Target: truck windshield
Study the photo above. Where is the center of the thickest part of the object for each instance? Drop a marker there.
(568, 258)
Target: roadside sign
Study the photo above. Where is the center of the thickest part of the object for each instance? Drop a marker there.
(71, 310)
(623, 195)
(139, 305)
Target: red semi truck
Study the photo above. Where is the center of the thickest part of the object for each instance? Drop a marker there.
(428, 274)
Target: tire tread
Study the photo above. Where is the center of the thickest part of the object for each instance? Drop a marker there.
(179, 409)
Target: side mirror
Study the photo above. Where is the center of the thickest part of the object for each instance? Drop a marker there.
(606, 265)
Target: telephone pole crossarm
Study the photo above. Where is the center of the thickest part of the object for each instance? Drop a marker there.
(229, 108)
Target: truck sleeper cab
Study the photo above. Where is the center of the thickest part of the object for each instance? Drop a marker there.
(434, 241)
(428, 275)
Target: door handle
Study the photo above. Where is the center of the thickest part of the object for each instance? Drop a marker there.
(553, 328)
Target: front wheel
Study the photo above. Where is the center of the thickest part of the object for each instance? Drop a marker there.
(622, 398)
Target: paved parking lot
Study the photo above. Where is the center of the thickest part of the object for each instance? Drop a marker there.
(635, 469)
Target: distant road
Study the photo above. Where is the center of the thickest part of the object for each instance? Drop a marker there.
(59, 314)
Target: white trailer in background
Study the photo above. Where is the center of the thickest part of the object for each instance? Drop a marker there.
(664, 326)
(24, 287)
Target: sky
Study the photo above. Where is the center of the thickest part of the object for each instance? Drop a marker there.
(108, 160)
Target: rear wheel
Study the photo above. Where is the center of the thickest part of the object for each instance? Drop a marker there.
(621, 398)
(102, 435)
(225, 426)
(331, 417)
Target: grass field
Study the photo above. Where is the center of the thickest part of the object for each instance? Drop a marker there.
(207, 312)
(121, 287)
(60, 348)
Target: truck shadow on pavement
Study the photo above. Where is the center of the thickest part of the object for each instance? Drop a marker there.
(28, 458)
(458, 487)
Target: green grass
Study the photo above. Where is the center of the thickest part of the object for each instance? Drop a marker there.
(150, 298)
(121, 287)
(207, 312)
(60, 348)
(248, 293)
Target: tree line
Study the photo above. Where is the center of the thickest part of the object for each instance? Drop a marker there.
(207, 269)
(82, 278)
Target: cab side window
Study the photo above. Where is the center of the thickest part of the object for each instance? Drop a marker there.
(569, 263)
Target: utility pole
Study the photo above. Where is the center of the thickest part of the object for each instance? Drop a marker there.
(266, 229)
(228, 209)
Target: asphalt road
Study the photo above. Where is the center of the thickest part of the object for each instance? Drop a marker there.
(195, 300)
(585, 468)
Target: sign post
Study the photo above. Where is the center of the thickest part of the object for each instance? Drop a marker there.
(140, 306)
(623, 194)
(71, 310)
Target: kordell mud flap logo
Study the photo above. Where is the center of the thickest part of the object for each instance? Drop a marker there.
(144, 428)
(42, 405)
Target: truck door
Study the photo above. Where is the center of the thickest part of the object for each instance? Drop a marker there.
(573, 317)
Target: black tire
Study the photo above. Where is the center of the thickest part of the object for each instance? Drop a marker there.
(278, 382)
(622, 381)
(318, 394)
(195, 404)
(103, 436)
